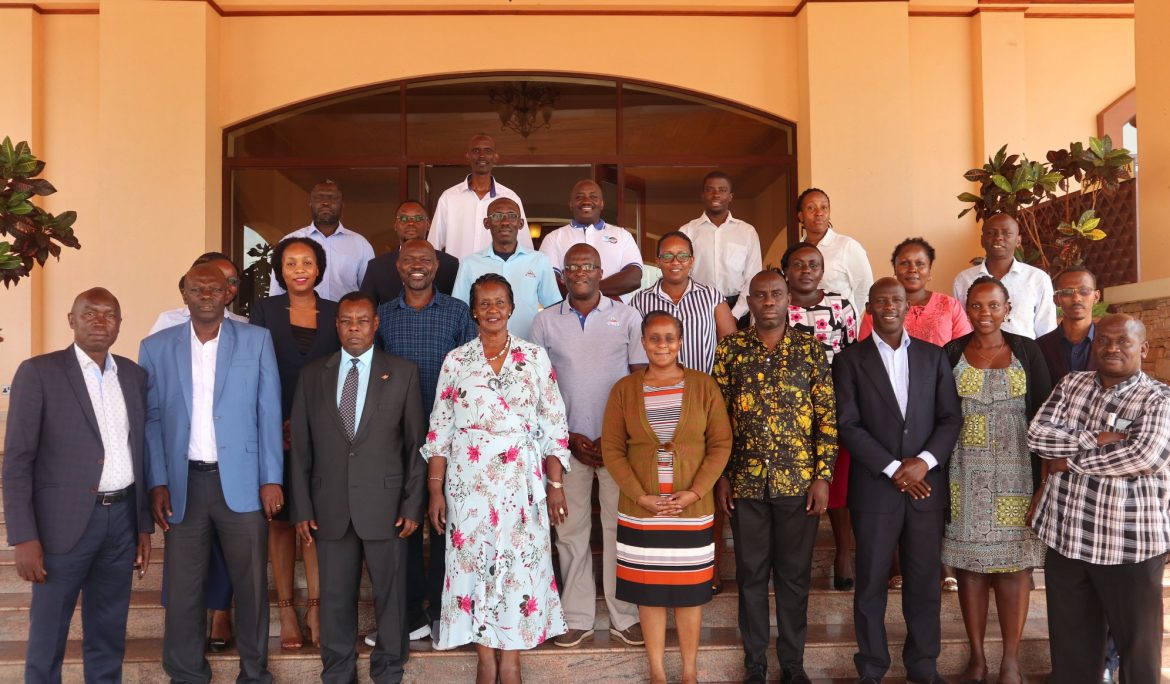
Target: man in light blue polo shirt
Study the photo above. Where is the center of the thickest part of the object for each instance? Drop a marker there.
(593, 341)
(529, 272)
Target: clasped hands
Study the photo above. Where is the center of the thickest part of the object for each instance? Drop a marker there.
(667, 506)
(910, 478)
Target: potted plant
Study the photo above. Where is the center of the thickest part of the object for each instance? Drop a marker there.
(35, 233)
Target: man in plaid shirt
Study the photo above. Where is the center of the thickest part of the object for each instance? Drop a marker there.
(1103, 512)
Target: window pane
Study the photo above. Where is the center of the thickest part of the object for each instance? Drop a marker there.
(443, 116)
(364, 124)
(664, 198)
(268, 204)
(660, 122)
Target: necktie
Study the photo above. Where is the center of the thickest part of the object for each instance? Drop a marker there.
(348, 405)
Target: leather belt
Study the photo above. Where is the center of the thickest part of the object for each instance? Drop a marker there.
(107, 498)
(204, 466)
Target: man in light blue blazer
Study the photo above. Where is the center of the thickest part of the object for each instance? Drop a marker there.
(213, 461)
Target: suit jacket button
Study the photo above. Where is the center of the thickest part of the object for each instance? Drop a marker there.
(351, 454)
(906, 431)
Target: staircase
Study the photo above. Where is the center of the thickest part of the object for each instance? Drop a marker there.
(828, 654)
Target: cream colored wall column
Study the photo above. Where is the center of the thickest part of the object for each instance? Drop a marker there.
(1153, 111)
(20, 119)
(160, 150)
(855, 118)
(1001, 84)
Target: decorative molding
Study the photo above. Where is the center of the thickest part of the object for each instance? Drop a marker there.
(49, 10)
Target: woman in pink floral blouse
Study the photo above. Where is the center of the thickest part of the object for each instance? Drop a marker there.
(933, 316)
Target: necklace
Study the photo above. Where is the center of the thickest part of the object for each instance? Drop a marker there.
(507, 344)
(987, 358)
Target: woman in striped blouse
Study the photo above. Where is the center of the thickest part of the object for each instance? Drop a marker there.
(665, 440)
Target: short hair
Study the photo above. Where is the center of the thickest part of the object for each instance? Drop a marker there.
(208, 257)
(916, 242)
(806, 193)
(659, 313)
(718, 175)
(990, 280)
(277, 259)
(674, 234)
(488, 279)
(358, 296)
(1074, 269)
(793, 249)
(405, 202)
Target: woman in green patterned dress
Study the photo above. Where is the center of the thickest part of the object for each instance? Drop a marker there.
(1002, 380)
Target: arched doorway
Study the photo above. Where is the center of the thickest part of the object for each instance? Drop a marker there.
(647, 145)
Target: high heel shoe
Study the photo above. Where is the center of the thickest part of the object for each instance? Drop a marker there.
(290, 643)
(313, 633)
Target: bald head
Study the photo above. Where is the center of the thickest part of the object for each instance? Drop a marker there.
(96, 319)
(582, 249)
(1119, 345)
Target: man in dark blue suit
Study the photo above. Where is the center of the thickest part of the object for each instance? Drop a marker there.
(75, 491)
(214, 462)
(899, 415)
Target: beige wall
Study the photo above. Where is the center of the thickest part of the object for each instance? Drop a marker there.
(128, 107)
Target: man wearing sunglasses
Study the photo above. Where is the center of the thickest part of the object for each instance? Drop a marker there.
(528, 272)
(382, 281)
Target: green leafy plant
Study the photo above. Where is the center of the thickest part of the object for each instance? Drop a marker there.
(1012, 184)
(36, 234)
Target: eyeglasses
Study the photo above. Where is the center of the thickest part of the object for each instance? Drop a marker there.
(583, 268)
(196, 291)
(234, 282)
(680, 257)
(1070, 291)
(499, 216)
(403, 218)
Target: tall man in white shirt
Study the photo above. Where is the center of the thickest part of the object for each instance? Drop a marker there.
(727, 250)
(457, 226)
(1033, 308)
(620, 257)
(346, 252)
(75, 491)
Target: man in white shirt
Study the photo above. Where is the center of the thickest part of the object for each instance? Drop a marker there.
(346, 252)
(1033, 308)
(620, 257)
(457, 226)
(173, 317)
(727, 250)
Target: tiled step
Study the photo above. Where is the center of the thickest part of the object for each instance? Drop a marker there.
(828, 654)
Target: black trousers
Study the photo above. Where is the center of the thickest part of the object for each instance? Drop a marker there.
(340, 564)
(1086, 601)
(244, 539)
(773, 539)
(100, 566)
(918, 537)
(424, 580)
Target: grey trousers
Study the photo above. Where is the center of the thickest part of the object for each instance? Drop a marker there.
(244, 538)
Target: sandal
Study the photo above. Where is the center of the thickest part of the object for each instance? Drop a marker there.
(950, 584)
(896, 582)
(313, 630)
(287, 643)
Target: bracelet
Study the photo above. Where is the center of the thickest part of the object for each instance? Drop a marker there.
(556, 485)
(435, 478)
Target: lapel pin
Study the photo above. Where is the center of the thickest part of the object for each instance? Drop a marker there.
(385, 376)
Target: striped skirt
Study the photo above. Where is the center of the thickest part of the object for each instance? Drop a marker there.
(665, 562)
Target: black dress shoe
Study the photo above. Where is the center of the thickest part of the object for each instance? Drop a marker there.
(794, 677)
(217, 645)
(756, 675)
(842, 583)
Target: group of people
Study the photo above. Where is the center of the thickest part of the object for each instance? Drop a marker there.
(468, 381)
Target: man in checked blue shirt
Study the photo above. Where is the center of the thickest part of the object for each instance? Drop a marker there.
(1104, 509)
(421, 325)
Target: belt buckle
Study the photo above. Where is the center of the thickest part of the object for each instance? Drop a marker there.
(106, 499)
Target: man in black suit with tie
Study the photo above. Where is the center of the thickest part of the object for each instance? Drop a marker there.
(899, 415)
(75, 496)
(382, 281)
(357, 487)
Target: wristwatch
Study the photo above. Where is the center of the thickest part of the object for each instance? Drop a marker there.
(556, 485)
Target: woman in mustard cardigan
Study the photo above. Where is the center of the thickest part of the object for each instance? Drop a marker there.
(665, 440)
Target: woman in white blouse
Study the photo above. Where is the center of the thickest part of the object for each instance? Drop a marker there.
(847, 270)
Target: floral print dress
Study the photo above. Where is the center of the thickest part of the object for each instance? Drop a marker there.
(495, 431)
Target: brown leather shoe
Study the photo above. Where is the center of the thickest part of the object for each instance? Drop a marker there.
(572, 637)
(632, 635)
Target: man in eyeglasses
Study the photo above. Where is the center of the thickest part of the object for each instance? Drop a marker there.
(593, 342)
(1068, 348)
(382, 281)
(528, 272)
(620, 257)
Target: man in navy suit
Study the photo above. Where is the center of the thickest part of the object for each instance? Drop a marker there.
(214, 462)
(75, 491)
(899, 415)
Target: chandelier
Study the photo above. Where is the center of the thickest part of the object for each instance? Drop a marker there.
(524, 106)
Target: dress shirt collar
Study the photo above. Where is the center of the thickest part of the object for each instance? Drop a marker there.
(87, 364)
(703, 218)
(1123, 386)
(600, 225)
(400, 300)
(490, 253)
(341, 229)
(567, 308)
(1089, 337)
(662, 295)
(491, 188)
(364, 360)
(198, 342)
(1016, 268)
(881, 344)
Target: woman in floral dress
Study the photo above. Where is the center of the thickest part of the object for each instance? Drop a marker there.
(497, 439)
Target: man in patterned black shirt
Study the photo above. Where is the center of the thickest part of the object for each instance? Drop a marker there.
(779, 395)
(1103, 511)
